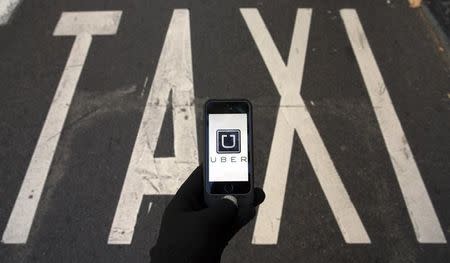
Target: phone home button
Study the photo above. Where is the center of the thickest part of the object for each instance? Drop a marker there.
(228, 188)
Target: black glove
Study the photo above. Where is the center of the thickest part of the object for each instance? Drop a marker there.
(191, 231)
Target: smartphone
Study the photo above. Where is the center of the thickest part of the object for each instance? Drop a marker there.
(228, 155)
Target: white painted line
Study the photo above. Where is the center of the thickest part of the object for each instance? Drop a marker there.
(27, 201)
(293, 115)
(24, 210)
(269, 214)
(146, 174)
(7, 8)
(90, 22)
(21, 218)
(418, 203)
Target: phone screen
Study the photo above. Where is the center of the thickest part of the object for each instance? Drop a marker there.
(228, 158)
(228, 147)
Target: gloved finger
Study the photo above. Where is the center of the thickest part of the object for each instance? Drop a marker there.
(259, 196)
(222, 213)
(190, 194)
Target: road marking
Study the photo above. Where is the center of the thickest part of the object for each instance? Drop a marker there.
(7, 8)
(92, 23)
(420, 208)
(293, 115)
(70, 24)
(146, 174)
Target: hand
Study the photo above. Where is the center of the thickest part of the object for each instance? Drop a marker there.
(191, 231)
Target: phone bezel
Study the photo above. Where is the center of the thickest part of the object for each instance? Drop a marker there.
(229, 106)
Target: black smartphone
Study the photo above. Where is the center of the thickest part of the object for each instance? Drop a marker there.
(228, 155)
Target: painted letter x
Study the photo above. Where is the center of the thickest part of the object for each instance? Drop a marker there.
(293, 116)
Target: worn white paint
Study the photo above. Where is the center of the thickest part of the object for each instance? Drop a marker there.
(23, 212)
(7, 8)
(293, 115)
(89, 22)
(420, 208)
(146, 174)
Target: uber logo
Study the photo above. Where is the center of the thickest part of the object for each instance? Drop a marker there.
(228, 141)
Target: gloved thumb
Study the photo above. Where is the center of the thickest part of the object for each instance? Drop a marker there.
(223, 212)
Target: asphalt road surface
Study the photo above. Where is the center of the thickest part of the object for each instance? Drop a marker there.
(101, 120)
